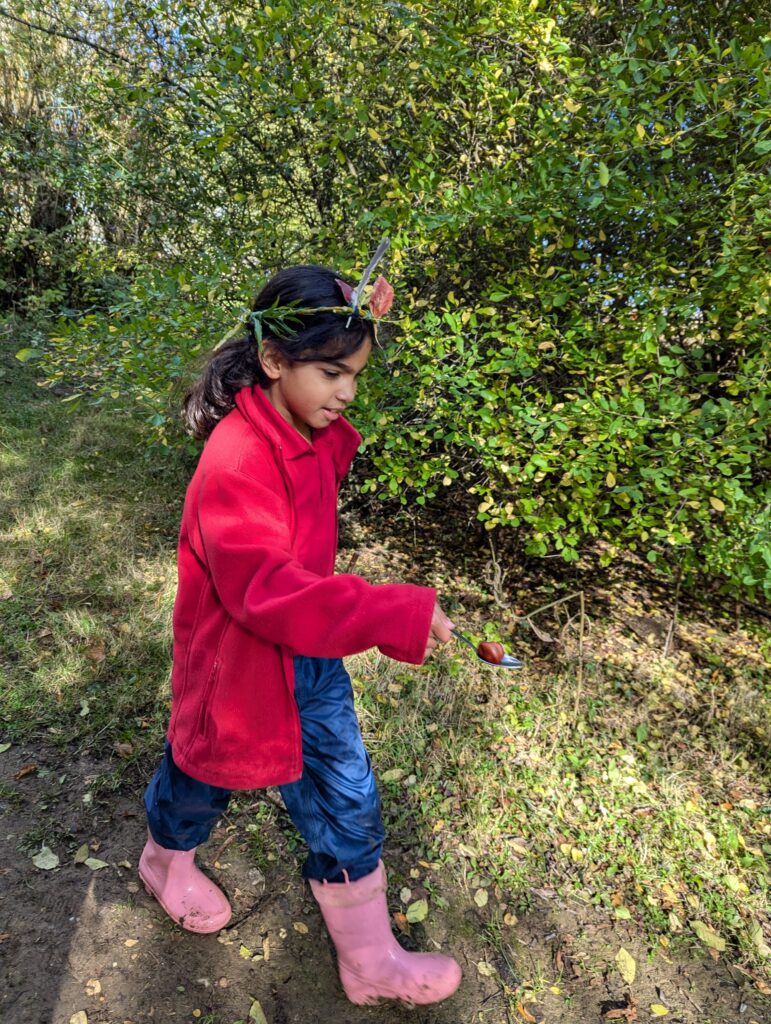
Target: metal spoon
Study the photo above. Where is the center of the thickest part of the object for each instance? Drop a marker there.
(507, 661)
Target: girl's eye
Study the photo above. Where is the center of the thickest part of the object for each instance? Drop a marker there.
(331, 373)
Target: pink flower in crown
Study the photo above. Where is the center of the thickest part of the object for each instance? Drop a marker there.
(346, 289)
(381, 298)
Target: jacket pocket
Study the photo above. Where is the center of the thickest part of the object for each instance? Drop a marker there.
(211, 682)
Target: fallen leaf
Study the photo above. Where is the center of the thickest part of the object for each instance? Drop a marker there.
(393, 775)
(658, 1010)
(417, 911)
(300, 927)
(755, 933)
(401, 922)
(708, 935)
(4, 747)
(627, 967)
(95, 651)
(245, 952)
(123, 749)
(509, 919)
(4, 936)
(26, 769)
(623, 914)
(79, 1017)
(256, 1013)
(617, 1011)
(485, 969)
(131, 942)
(93, 987)
(95, 864)
(45, 859)
(266, 948)
(81, 854)
(405, 895)
(481, 897)
(525, 1014)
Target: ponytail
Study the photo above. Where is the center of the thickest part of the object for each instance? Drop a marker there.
(234, 366)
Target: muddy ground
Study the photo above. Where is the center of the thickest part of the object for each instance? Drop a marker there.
(88, 945)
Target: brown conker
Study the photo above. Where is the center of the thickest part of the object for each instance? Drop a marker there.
(491, 652)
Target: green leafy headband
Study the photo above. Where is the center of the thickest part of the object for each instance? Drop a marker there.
(281, 321)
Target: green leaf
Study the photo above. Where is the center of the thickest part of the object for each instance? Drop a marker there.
(256, 1013)
(25, 354)
(417, 911)
(46, 859)
(604, 174)
(708, 935)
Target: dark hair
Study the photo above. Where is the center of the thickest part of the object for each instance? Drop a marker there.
(320, 336)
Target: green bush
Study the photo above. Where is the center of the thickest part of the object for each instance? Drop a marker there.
(578, 201)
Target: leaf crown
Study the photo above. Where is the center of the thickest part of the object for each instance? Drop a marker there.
(281, 321)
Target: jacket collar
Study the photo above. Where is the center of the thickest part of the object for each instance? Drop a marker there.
(340, 437)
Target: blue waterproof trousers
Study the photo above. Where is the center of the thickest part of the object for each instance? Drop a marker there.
(335, 805)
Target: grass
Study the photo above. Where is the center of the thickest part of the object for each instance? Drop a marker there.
(629, 781)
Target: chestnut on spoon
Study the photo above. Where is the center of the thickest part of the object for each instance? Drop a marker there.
(490, 653)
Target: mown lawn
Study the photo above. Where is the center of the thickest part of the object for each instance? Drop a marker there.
(608, 771)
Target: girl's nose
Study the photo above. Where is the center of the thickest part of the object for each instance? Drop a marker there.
(347, 391)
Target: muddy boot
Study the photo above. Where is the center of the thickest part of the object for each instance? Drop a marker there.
(372, 964)
(184, 891)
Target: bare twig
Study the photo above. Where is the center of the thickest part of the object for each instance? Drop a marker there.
(673, 623)
(580, 679)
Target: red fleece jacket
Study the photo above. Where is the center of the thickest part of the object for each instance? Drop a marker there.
(256, 555)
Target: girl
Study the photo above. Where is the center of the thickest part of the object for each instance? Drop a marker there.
(260, 696)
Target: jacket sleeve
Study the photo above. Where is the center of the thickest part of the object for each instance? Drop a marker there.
(245, 542)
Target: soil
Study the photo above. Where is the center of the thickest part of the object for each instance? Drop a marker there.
(87, 945)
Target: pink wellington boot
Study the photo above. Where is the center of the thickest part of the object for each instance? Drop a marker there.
(182, 889)
(372, 964)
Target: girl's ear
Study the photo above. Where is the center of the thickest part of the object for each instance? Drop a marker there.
(271, 360)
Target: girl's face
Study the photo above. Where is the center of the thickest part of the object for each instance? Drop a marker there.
(312, 395)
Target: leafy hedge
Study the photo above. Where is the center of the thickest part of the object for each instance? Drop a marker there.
(579, 207)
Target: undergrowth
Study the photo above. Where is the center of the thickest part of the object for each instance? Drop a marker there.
(607, 772)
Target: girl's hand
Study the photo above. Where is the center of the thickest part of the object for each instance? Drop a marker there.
(440, 630)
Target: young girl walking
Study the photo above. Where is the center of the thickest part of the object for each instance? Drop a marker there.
(260, 695)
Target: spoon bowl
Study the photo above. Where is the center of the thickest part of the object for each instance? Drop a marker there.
(506, 660)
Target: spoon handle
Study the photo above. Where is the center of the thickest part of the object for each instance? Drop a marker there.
(457, 633)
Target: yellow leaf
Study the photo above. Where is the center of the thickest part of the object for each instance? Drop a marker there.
(717, 504)
(300, 927)
(627, 966)
(572, 106)
(658, 1010)
(640, 129)
(610, 480)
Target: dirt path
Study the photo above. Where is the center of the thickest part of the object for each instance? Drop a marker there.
(89, 941)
